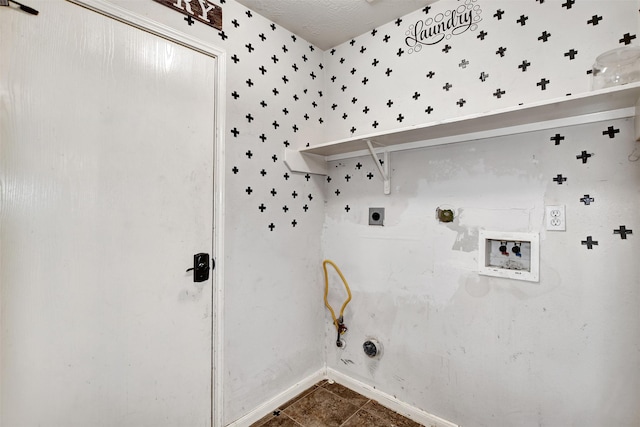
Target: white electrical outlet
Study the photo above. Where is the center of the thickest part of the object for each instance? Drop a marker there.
(555, 218)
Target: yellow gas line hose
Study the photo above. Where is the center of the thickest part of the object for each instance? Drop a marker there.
(340, 327)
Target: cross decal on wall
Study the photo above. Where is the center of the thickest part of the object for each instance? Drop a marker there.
(543, 83)
(595, 19)
(544, 36)
(590, 243)
(584, 156)
(571, 53)
(611, 131)
(559, 179)
(587, 200)
(627, 38)
(622, 231)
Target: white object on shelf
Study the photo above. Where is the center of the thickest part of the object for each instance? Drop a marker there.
(509, 255)
(616, 67)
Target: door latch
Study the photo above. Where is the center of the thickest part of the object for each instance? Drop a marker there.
(200, 267)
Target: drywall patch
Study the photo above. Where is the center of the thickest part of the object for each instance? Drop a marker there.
(475, 286)
(466, 237)
(466, 240)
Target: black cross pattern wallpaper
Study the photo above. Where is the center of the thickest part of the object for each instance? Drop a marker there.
(460, 57)
(275, 101)
(451, 59)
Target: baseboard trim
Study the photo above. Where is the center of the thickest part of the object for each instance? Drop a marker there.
(366, 390)
(388, 401)
(268, 406)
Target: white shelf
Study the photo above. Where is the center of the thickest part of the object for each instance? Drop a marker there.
(557, 112)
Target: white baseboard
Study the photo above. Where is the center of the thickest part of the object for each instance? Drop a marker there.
(271, 404)
(389, 401)
(384, 399)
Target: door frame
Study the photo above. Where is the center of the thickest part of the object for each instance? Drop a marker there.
(118, 13)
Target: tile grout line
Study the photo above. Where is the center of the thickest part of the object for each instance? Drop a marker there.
(360, 408)
(297, 423)
(346, 399)
(294, 420)
(316, 387)
(352, 415)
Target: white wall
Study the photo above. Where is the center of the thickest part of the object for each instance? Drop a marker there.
(475, 350)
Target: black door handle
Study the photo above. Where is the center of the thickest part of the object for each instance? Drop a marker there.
(200, 267)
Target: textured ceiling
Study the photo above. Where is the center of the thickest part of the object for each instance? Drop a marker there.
(328, 23)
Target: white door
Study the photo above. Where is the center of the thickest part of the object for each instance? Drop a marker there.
(106, 139)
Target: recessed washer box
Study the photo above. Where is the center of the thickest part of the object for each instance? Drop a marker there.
(510, 255)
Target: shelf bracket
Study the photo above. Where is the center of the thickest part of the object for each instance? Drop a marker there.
(384, 168)
(637, 120)
(305, 162)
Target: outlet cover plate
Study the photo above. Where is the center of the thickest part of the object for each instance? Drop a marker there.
(555, 218)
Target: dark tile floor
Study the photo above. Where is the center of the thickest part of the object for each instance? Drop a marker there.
(333, 405)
